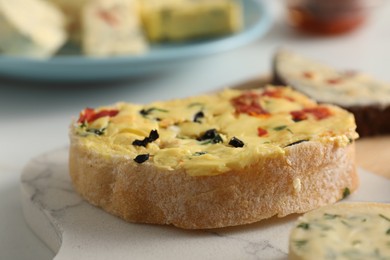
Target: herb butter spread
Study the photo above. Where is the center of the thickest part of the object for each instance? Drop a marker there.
(178, 20)
(343, 231)
(326, 84)
(213, 134)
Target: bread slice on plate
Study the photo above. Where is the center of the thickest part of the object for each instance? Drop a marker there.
(358, 230)
(230, 158)
(368, 99)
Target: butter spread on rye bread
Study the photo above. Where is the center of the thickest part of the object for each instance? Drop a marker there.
(326, 84)
(213, 134)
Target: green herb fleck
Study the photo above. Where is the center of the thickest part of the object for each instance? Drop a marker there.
(146, 112)
(346, 223)
(384, 217)
(196, 104)
(356, 242)
(280, 128)
(96, 131)
(304, 226)
(297, 142)
(300, 243)
(388, 232)
(346, 192)
(331, 216)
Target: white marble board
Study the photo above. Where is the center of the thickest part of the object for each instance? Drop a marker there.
(76, 230)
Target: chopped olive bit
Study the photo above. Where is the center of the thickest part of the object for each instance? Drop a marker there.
(199, 153)
(198, 116)
(235, 142)
(141, 158)
(153, 136)
(211, 136)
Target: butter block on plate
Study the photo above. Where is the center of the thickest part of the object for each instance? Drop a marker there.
(112, 27)
(72, 10)
(30, 28)
(180, 20)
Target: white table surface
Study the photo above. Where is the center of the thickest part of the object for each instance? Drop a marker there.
(34, 117)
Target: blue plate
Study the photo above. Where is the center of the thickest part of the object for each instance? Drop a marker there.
(75, 67)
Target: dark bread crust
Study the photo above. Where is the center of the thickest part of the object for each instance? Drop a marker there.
(371, 120)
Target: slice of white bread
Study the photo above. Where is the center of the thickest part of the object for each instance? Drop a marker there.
(368, 99)
(231, 158)
(359, 230)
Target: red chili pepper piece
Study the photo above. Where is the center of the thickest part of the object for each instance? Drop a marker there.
(298, 115)
(276, 93)
(334, 81)
(248, 103)
(108, 17)
(318, 112)
(89, 115)
(308, 74)
(261, 131)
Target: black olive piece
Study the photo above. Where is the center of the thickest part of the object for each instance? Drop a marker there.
(153, 136)
(235, 142)
(198, 116)
(141, 158)
(209, 134)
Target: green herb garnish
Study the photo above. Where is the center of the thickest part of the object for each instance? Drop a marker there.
(146, 112)
(388, 232)
(346, 192)
(96, 131)
(304, 226)
(195, 104)
(300, 243)
(384, 217)
(331, 216)
(297, 142)
(279, 128)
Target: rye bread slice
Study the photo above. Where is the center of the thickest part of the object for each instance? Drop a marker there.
(367, 98)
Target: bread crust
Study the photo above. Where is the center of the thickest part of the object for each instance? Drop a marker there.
(309, 175)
